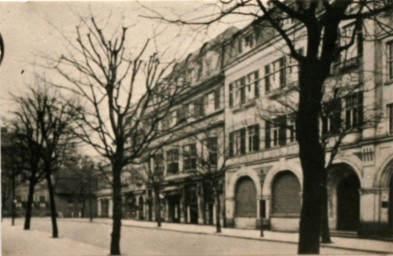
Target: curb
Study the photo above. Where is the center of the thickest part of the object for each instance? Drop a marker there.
(251, 238)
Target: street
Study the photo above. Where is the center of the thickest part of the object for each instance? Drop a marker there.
(148, 241)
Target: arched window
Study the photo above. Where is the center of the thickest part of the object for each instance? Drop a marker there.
(246, 198)
(286, 194)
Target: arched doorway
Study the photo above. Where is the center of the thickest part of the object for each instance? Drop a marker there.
(286, 194)
(348, 202)
(246, 198)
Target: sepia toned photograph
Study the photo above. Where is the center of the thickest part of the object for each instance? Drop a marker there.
(196, 127)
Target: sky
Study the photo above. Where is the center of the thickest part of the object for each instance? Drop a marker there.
(32, 30)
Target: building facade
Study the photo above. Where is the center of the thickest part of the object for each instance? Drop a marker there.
(243, 98)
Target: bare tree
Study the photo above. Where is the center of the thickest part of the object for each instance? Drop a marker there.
(321, 21)
(42, 127)
(10, 171)
(117, 91)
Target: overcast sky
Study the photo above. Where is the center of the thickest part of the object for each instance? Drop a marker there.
(33, 29)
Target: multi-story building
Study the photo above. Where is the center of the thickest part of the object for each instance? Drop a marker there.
(264, 176)
(243, 97)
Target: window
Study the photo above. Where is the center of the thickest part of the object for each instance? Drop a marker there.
(249, 40)
(292, 127)
(237, 142)
(253, 138)
(231, 95)
(172, 158)
(276, 132)
(275, 74)
(353, 110)
(217, 99)
(190, 157)
(199, 108)
(390, 117)
(210, 106)
(390, 60)
(267, 78)
(212, 150)
(182, 113)
(331, 121)
(158, 164)
(244, 88)
(253, 84)
(241, 87)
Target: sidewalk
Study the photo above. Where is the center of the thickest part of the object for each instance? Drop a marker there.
(38, 243)
(358, 244)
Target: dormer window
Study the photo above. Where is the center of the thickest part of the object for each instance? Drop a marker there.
(249, 40)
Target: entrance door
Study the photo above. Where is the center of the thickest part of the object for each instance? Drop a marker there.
(348, 203)
(174, 208)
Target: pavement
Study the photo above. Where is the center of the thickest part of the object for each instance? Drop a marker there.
(40, 243)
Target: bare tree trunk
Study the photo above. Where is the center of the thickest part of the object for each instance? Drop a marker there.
(218, 210)
(117, 210)
(13, 200)
(313, 165)
(83, 209)
(29, 205)
(325, 233)
(53, 213)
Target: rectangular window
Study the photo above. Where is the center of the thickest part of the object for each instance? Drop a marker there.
(277, 131)
(292, 127)
(253, 138)
(354, 110)
(217, 99)
(190, 157)
(212, 147)
(331, 122)
(210, 106)
(199, 107)
(283, 72)
(242, 134)
(172, 159)
(390, 117)
(241, 83)
(231, 144)
(237, 142)
(158, 164)
(390, 60)
(231, 95)
(267, 78)
(256, 83)
(267, 134)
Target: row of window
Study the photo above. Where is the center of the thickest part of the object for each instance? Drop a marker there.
(278, 132)
(278, 74)
(208, 157)
(196, 109)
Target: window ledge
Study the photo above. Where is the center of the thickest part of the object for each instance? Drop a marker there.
(245, 105)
